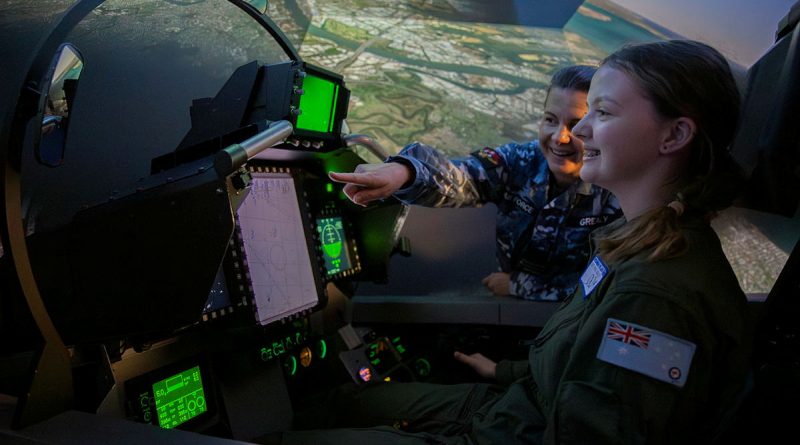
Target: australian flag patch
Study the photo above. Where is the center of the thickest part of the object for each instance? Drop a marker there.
(646, 351)
(490, 155)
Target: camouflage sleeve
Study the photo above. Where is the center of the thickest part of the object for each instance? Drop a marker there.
(533, 287)
(441, 182)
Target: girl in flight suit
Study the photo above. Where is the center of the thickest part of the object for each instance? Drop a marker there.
(653, 346)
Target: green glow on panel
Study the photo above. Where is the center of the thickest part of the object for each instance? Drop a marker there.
(291, 365)
(322, 349)
(423, 367)
(317, 104)
(179, 398)
(334, 244)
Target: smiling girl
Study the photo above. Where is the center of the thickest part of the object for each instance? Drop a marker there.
(544, 211)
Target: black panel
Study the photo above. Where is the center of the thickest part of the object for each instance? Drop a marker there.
(768, 142)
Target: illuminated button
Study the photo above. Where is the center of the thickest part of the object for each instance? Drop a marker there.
(423, 367)
(290, 365)
(365, 374)
(145, 403)
(305, 357)
(322, 349)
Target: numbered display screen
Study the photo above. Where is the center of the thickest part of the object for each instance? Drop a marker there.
(335, 248)
(179, 398)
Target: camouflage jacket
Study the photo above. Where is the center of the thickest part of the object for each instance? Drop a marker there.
(542, 241)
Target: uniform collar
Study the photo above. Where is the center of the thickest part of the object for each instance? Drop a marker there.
(566, 197)
(583, 188)
(602, 231)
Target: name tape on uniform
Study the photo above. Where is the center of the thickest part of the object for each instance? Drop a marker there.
(593, 275)
(646, 351)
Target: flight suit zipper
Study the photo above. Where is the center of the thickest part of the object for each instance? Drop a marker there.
(539, 341)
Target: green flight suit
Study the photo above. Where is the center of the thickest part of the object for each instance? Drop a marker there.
(567, 394)
(694, 297)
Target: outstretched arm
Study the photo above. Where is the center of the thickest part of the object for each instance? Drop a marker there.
(421, 175)
(371, 182)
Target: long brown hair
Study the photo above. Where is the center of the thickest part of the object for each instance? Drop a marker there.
(681, 78)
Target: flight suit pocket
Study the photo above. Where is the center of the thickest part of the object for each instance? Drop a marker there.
(586, 413)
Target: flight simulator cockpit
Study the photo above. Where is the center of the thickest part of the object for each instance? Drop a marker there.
(176, 265)
(200, 239)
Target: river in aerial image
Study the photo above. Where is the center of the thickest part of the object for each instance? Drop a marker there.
(437, 73)
(452, 74)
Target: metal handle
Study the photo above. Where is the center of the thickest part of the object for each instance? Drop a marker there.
(362, 139)
(229, 159)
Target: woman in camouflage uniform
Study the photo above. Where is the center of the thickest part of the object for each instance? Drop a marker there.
(544, 211)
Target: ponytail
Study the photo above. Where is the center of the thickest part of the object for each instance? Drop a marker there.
(656, 231)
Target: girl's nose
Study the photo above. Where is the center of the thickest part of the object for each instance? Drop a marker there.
(581, 130)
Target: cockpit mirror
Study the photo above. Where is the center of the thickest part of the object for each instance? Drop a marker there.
(261, 5)
(65, 70)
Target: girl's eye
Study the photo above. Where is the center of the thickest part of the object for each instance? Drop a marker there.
(601, 113)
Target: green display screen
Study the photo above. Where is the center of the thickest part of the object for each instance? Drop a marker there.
(334, 244)
(317, 104)
(179, 398)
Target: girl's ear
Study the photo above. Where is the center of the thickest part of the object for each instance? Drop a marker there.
(681, 134)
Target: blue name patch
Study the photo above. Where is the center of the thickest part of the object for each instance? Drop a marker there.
(593, 275)
(646, 351)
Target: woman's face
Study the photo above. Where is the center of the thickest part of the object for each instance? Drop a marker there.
(622, 134)
(563, 108)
